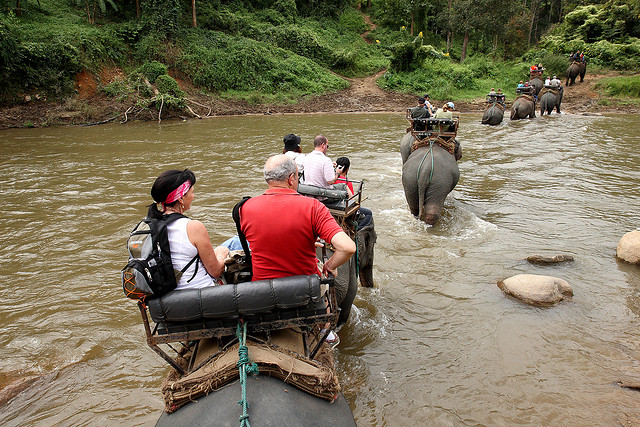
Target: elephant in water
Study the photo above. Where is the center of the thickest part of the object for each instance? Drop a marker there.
(524, 106)
(494, 115)
(550, 99)
(429, 174)
(576, 69)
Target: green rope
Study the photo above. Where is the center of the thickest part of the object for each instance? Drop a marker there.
(421, 162)
(245, 368)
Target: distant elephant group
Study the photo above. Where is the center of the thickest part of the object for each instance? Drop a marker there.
(548, 98)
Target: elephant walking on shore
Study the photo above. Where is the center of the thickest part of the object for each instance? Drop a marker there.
(429, 174)
(524, 106)
(550, 99)
(576, 69)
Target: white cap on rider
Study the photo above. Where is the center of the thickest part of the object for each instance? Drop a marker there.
(450, 105)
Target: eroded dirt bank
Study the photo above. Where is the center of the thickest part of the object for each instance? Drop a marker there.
(90, 106)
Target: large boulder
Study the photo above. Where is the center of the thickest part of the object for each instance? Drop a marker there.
(536, 290)
(629, 247)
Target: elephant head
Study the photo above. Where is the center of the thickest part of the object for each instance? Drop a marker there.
(429, 174)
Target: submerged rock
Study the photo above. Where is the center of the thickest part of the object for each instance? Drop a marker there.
(629, 247)
(536, 290)
(539, 259)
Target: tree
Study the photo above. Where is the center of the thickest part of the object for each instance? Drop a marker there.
(90, 7)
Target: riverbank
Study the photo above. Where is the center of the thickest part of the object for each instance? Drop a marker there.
(90, 106)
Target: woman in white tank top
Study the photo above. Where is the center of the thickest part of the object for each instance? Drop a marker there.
(187, 237)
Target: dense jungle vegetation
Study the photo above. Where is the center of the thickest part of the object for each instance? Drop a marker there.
(280, 50)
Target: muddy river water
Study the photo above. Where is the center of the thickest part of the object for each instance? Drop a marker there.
(434, 343)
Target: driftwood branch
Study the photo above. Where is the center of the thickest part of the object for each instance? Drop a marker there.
(150, 86)
(198, 104)
(160, 112)
(127, 112)
(102, 122)
(193, 112)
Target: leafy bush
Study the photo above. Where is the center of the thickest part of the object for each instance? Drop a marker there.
(352, 20)
(222, 63)
(116, 89)
(287, 8)
(167, 85)
(152, 70)
(10, 53)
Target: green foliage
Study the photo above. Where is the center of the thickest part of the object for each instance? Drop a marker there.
(321, 8)
(440, 78)
(287, 8)
(221, 63)
(409, 55)
(118, 89)
(628, 86)
(152, 70)
(10, 53)
(304, 42)
(167, 85)
(446, 80)
(553, 63)
(162, 17)
(352, 20)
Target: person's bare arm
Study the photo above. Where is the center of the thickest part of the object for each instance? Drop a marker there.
(344, 248)
(199, 237)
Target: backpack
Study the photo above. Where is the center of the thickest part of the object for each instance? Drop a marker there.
(247, 271)
(149, 272)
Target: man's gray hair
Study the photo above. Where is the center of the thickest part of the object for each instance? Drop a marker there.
(279, 168)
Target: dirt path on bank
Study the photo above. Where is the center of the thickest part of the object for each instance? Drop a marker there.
(363, 94)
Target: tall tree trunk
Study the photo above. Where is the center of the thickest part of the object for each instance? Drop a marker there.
(137, 9)
(193, 14)
(465, 42)
(412, 17)
(534, 15)
(449, 35)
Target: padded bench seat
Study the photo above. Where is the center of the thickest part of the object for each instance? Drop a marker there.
(220, 306)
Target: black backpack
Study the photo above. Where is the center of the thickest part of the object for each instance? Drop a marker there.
(149, 272)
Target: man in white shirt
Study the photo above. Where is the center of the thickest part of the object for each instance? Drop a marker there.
(318, 168)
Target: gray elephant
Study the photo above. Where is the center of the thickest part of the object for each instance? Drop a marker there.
(524, 106)
(493, 115)
(429, 174)
(575, 69)
(550, 99)
(537, 83)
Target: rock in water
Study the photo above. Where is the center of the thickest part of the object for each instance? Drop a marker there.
(539, 259)
(629, 247)
(536, 290)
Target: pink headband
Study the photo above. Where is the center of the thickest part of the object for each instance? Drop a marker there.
(178, 192)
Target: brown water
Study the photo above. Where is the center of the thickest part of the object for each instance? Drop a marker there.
(435, 343)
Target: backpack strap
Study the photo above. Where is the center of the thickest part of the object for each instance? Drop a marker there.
(186, 267)
(243, 240)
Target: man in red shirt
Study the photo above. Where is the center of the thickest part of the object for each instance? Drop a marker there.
(282, 227)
